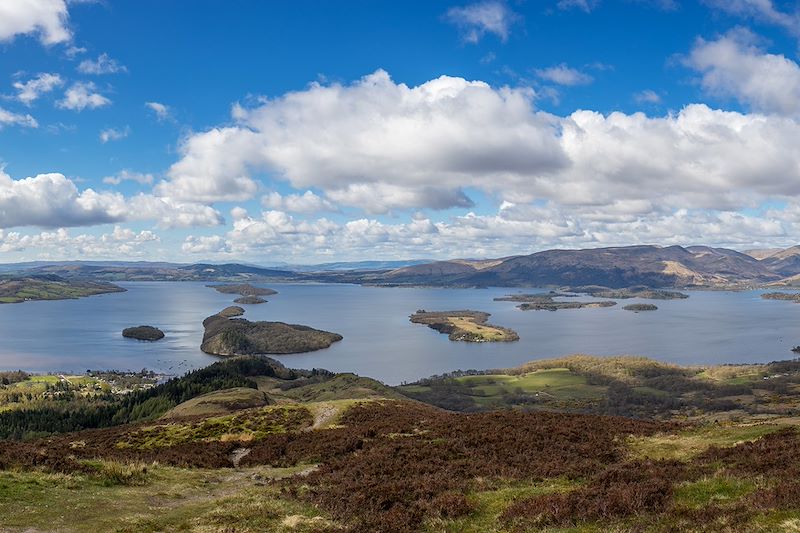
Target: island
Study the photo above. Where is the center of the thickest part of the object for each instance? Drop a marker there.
(249, 300)
(50, 287)
(243, 289)
(232, 311)
(467, 326)
(238, 336)
(638, 291)
(790, 297)
(640, 307)
(545, 302)
(143, 333)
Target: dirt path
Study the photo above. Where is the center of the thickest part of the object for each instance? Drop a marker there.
(324, 417)
(237, 455)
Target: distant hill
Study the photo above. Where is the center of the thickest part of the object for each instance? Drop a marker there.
(616, 267)
(652, 266)
(159, 272)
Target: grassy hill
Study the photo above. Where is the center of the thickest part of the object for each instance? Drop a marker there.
(291, 450)
(22, 289)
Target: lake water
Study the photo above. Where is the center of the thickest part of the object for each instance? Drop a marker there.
(379, 341)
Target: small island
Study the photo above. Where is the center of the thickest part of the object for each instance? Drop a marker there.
(545, 302)
(467, 326)
(238, 336)
(249, 300)
(790, 297)
(143, 333)
(243, 289)
(638, 291)
(636, 308)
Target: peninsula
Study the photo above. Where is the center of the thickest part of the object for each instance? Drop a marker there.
(50, 287)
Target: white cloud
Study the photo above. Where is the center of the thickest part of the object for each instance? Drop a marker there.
(127, 175)
(760, 10)
(648, 96)
(438, 137)
(61, 244)
(733, 66)
(52, 200)
(514, 229)
(15, 119)
(204, 245)
(104, 64)
(564, 75)
(83, 95)
(584, 5)
(46, 18)
(31, 90)
(169, 213)
(162, 111)
(478, 19)
(114, 134)
(382, 147)
(74, 51)
(308, 202)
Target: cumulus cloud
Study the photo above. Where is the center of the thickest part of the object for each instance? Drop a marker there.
(61, 244)
(308, 202)
(213, 244)
(734, 66)
(648, 96)
(426, 142)
(127, 175)
(564, 75)
(48, 19)
(513, 229)
(169, 213)
(114, 134)
(83, 95)
(478, 19)
(162, 111)
(583, 5)
(104, 64)
(604, 179)
(759, 10)
(52, 200)
(31, 90)
(8, 118)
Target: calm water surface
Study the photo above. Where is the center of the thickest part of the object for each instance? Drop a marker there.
(379, 341)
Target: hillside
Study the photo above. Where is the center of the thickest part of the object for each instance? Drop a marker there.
(651, 266)
(50, 287)
(618, 267)
(254, 446)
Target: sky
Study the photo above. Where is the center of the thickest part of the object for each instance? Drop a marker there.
(305, 132)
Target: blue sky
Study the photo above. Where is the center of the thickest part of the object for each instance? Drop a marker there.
(315, 131)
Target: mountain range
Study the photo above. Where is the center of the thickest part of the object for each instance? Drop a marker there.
(616, 267)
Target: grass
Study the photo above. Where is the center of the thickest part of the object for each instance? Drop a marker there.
(172, 499)
(487, 333)
(685, 445)
(712, 490)
(489, 505)
(244, 426)
(560, 383)
(219, 402)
